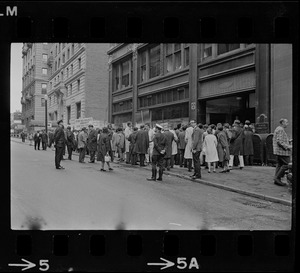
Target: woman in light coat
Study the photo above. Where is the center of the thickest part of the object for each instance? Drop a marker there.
(174, 148)
(188, 148)
(211, 153)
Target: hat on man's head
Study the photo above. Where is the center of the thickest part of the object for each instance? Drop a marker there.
(59, 121)
(158, 126)
(91, 125)
(83, 128)
(68, 127)
(247, 122)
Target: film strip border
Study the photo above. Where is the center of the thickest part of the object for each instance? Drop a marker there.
(269, 22)
(151, 251)
(159, 21)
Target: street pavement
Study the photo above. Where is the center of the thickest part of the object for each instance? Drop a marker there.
(255, 181)
(82, 197)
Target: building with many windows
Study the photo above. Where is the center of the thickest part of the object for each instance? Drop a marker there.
(210, 83)
(78, 82)
(34, 85)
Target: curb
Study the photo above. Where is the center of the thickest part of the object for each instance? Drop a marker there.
(208, 183)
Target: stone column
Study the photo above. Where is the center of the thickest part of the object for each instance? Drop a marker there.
(134, 81)
(262, 92)
(193, 82)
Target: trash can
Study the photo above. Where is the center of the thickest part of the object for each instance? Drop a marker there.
(258, 148)
(270, 157)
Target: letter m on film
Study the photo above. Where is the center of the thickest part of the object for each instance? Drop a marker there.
(11, 11)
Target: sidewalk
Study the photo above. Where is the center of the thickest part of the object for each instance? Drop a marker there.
(255, 181)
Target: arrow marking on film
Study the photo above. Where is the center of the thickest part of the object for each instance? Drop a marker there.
(166, 263)
(26, 266)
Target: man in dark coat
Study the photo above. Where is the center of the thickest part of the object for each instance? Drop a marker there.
(181, 145)
(70, 142)
(59, 140)
(132, 149)
(44, 140)
(197, 138)
(37, 140)
(92, 143)
(50, 138)
(169, 138)
(23, 136)
(142, 144)
(159, 150)
(236, 144)
(248, 145)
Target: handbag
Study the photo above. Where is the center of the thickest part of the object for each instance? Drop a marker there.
(107, 158)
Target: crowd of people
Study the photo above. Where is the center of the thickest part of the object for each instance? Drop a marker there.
(189, 146)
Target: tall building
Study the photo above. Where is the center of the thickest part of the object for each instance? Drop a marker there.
(209, 83)
(34, 85)
(78, 82)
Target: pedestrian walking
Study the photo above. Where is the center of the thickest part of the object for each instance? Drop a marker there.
(142, 144)
(248, 145)
(44, 140)
(103, 149)
(169, 137)
(223, 149)
(59, 140)
(132, 149)
(92, 142)
(211, 153)
(120, 144)
(188, 155)
(127, 132)
(159, 149)
(82, 143)
(70, 142)
(282, 148)
(236, 144)
(181, 145)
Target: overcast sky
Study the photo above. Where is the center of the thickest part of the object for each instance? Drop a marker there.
(16, 77)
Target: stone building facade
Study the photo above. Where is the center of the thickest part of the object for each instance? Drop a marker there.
(210, 83)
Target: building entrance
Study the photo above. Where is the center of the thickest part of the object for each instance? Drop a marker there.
(227, 109)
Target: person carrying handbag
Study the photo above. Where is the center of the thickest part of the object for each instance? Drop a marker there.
(103, 149)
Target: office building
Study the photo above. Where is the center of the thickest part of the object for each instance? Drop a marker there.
(209, 83)
(78, 82)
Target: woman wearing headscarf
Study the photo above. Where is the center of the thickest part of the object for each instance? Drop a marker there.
(104, 149)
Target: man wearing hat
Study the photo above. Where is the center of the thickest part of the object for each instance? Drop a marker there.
(59, 140)
(70, 142)
(92, 143)
(159, 150)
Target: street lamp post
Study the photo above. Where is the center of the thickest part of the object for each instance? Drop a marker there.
(46, 114)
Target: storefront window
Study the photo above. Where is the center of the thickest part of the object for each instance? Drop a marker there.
(154, 56)
(207, 51)
(143, 66)
(125, 74)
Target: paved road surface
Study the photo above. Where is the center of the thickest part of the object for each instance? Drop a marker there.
(82, 197)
